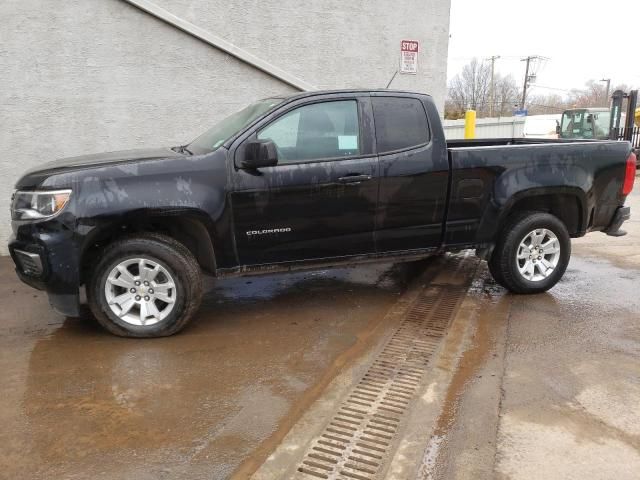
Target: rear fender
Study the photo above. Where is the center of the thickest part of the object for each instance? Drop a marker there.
(562, 201)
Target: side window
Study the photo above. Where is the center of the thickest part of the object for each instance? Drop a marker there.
(400, 123)
(317, 131)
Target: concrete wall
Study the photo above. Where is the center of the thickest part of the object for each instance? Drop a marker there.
(82, 76)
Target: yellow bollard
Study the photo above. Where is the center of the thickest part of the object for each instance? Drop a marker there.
(470, 124)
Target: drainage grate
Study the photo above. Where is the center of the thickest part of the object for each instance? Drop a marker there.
(360, 435)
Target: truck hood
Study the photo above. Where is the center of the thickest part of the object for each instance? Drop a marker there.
(98, 159)
(36, 175)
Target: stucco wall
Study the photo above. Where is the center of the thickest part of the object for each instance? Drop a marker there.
(82, 76)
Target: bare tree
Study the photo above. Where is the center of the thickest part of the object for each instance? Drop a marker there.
(470, 89)
(593, 95)
(507, 95)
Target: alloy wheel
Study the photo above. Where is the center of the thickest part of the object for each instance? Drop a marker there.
(140, 291)
(538, 254)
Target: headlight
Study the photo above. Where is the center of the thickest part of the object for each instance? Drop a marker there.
(39, 204)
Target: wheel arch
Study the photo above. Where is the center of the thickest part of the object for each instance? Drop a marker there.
(569, 204)
(188, 228)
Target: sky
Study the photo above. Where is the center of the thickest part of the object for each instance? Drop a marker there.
(582, 39)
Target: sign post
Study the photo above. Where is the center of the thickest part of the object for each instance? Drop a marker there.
(409, 57)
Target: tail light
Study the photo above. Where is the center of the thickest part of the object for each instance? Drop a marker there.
(629, 175)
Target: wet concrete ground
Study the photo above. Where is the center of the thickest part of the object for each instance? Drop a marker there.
(76, 402)
(549, 385)
(544, 386)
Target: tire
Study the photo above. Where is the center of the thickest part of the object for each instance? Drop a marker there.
(168, 267)
(494, 269)
(535, 270)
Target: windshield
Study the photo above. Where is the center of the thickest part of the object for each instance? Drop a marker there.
(222, 131)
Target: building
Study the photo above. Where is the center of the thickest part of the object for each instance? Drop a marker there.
(82, 76)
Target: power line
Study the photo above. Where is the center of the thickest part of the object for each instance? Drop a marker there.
(507, 102)
(504, 57)
(554, 88)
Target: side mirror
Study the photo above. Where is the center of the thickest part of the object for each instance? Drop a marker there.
(260, 153)
(557, 128)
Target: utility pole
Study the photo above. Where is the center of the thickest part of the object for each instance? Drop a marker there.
(529, 76)
(492, 88)
(608, 80)
(526, 80)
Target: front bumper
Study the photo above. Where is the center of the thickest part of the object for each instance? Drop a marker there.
(45, 259)
(622, 215)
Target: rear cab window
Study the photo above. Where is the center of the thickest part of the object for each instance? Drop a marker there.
(401, 123)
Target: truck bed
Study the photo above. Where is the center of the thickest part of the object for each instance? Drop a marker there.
(487, 175)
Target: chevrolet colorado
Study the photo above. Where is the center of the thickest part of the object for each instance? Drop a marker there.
(314, 179)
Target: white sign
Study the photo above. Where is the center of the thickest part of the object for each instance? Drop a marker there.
(409, 57)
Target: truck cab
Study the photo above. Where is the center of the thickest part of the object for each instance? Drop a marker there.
(585, 123)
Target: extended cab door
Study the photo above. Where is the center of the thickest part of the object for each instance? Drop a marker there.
(320, 200)
(414, 173)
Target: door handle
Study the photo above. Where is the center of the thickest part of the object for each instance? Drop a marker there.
(354, 179)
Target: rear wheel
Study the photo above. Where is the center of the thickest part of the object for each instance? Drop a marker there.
(145, 286)
(533, 253)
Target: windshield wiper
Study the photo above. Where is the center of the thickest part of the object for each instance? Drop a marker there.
(182, 149)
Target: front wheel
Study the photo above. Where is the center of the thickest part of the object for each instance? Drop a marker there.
(533, 253)
(145, 286)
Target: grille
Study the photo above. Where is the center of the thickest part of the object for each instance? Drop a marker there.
(29, 263)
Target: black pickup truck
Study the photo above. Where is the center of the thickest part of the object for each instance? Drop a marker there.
(315, 179)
